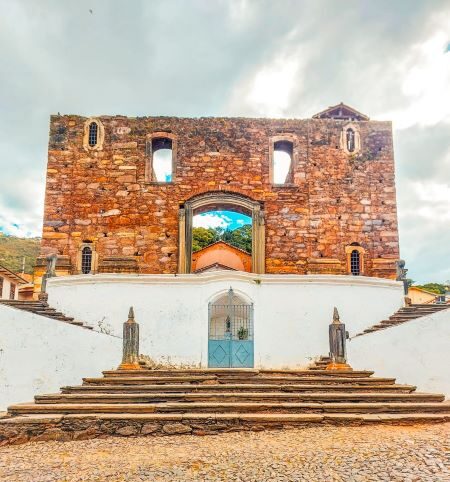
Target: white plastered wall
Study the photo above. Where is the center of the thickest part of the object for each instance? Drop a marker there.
(291, 312)
(39, 355)
(4, 295)
(416, 352)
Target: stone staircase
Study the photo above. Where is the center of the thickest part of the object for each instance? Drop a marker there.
(208, 401)
(404, 315)
(43, 309)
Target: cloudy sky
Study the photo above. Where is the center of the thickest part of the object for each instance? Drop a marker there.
(285, 58)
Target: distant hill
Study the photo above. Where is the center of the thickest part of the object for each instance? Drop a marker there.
(13, 250)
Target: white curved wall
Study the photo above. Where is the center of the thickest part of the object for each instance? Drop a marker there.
(416, 352)
(291, 312)
(39, 355)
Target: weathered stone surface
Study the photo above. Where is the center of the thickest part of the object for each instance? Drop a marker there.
(128, 430)
(334, 199)
(148, 428)
(176, 428)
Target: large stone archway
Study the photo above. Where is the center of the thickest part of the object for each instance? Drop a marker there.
(221, 200)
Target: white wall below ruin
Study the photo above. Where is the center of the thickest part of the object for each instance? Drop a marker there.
(291, 312)
(416, 352)
(39, 355)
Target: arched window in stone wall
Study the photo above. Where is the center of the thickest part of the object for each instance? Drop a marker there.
(355, 259)
(86, 260)
(94, 135)
(355, 263)
(282, 160)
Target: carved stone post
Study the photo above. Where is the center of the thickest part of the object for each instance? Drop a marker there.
(49, 273)
(338, 337)
(401, 276)
(130, 359)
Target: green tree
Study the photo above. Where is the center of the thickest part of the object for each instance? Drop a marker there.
(240, 237)
(437, 288)
(202, 237)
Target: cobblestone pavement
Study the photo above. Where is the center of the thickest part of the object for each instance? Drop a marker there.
(347, 454)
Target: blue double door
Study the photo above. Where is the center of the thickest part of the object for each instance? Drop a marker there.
(230, 334)
(229, 353)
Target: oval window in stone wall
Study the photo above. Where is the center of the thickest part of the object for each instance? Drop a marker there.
(350, 138)
(93, 134)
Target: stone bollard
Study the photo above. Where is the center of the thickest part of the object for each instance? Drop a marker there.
(338, 337)
(130, 359)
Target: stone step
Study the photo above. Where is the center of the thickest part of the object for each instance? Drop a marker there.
(243, 373)
(23, 303)
(137, 384)
(222, 381)
(42, 309)
(188, 388)
(88, 408)
(190, 372)
(79, 427)
(214, 396)
(194, 381)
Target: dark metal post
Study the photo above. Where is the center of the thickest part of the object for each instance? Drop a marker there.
(130, 359)
(337, 337)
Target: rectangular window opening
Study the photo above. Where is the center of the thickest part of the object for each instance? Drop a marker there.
(282, 162)
(162, 159)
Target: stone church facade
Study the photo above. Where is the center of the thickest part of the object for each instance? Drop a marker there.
(107, 212)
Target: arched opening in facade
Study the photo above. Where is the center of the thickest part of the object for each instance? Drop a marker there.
(221, 240)
(230, 332)
(220, 202)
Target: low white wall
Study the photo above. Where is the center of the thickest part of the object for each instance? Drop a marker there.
(291, 312)
(39, 355)
(416, 352)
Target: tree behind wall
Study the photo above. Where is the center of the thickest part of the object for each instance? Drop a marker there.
(240, 237)
(437, 288)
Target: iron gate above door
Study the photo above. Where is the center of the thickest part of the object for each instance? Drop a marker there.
(230, 337)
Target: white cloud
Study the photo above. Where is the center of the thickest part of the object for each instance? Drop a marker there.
(425, 83)
(23, 216)
(211, 220)
(269, 89)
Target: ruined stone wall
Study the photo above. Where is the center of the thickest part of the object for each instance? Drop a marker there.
(334, 199)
